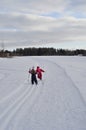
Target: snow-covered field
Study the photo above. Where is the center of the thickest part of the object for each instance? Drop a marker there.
(56, 103)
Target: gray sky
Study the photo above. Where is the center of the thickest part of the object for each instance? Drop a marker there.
(38, 23)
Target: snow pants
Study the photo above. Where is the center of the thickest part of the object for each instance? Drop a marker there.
(34, 79)
(40, 75)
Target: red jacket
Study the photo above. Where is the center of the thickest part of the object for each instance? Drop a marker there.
(39, 72)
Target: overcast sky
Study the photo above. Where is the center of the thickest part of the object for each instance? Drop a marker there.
(38, 23)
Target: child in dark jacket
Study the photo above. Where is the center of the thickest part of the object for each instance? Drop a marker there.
(33, 76)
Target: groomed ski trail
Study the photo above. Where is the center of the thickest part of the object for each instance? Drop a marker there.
(54, 105)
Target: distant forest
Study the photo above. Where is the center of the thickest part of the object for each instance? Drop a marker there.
(42, 52)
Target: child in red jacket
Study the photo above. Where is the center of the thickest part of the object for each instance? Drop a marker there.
(39, 72)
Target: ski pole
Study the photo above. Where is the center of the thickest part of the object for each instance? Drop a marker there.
(28, 76)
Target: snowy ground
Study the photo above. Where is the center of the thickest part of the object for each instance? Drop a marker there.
(56, 103)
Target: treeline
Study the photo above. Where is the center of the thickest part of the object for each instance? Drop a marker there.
(42, 52)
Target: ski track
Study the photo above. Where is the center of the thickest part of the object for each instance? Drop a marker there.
(14, 102)
(75, 109)
(13, 107)
(13, 94)
(69, 79)
(32, 101)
